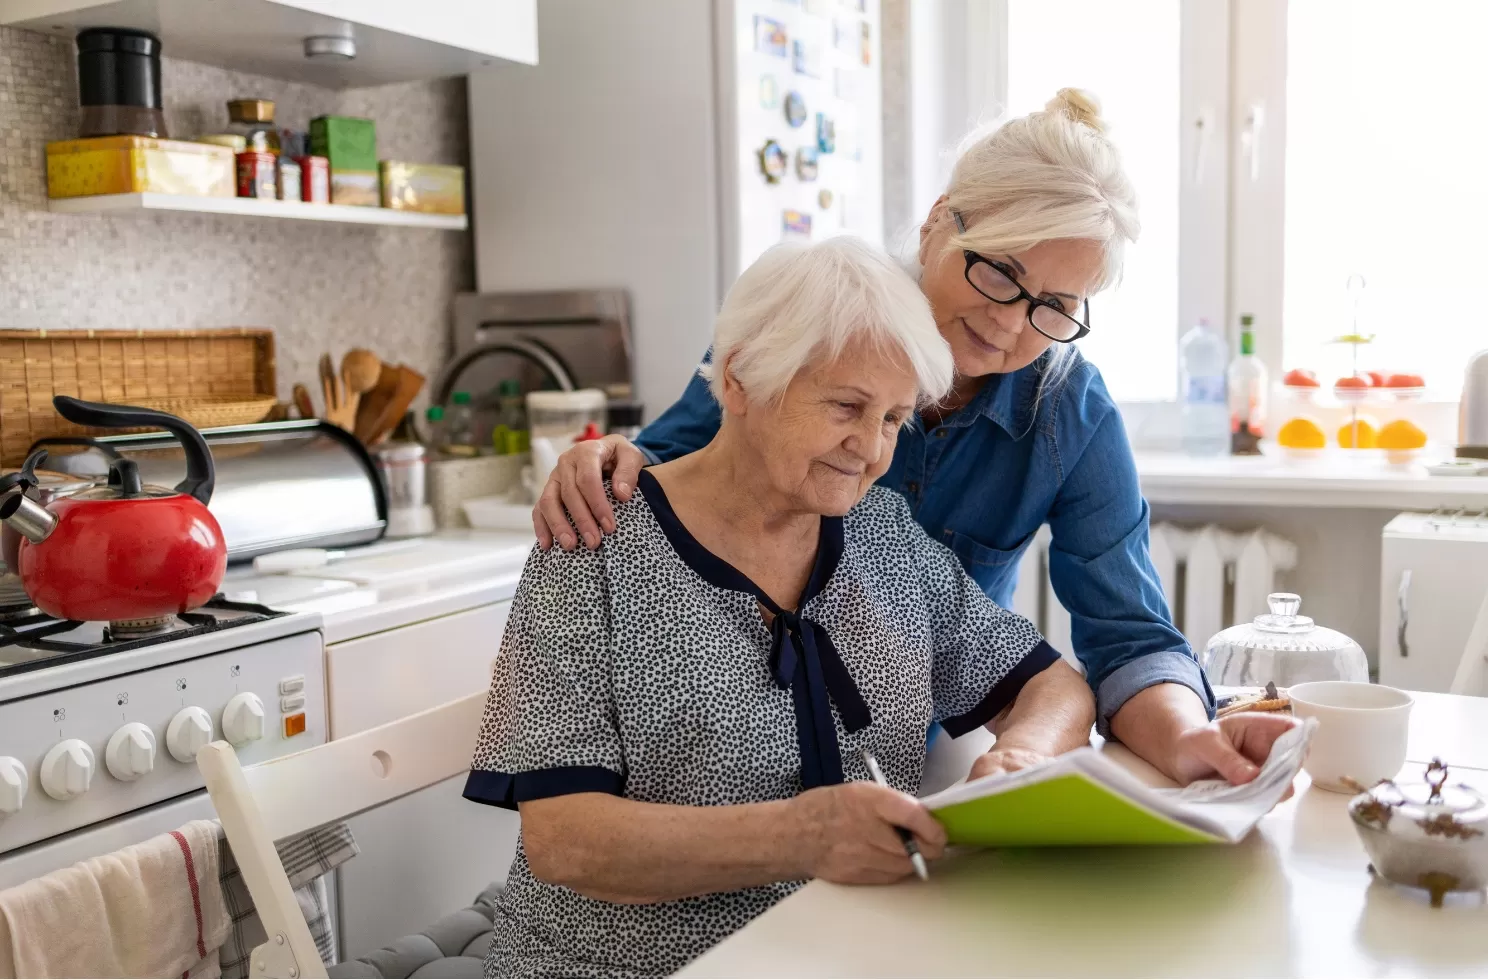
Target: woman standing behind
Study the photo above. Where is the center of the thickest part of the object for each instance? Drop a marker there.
(1035, 221)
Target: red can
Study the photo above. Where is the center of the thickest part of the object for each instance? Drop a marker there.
(256, 175)
(315, 174)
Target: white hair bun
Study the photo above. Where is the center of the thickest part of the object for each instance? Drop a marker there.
(1078, 106)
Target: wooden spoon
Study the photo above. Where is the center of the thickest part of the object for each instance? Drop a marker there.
(360, 370)
(302, 401)
(334, 393)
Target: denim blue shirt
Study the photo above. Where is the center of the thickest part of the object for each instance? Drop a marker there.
(987, 477)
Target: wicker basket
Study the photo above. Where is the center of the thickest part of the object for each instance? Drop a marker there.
(207, 377)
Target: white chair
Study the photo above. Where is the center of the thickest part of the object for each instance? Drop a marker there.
(323, 785)
(1472, 669)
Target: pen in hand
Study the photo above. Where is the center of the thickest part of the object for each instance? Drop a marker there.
(910, 847)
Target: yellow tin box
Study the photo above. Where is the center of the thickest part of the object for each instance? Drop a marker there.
(132, 164)
(429, 187)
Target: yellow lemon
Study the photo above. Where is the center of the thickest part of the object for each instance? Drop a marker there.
(1401, 434)
(1360, 434)
(1302, 433)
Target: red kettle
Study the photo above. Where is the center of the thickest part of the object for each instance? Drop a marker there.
(130, 554)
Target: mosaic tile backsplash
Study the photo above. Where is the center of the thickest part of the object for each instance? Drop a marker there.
(320, 287)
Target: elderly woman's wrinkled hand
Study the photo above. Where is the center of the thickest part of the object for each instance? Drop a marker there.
(1232, 748)
(848, 833)
(575, 489)
(997, 761)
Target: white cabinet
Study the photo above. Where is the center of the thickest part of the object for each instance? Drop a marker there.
(397, 40)
(1433, 583)
(430, 853)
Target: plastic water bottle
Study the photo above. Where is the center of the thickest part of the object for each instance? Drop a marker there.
(1203, 357)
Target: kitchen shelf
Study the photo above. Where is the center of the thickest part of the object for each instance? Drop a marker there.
(258, 208)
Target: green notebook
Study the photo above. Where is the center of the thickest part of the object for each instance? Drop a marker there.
(1084, 798)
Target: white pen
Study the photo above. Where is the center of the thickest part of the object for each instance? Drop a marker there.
(910, 846)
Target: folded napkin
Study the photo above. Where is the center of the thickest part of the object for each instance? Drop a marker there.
(151, 910)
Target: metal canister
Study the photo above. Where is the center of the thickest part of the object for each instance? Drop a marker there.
(402, 466)
(289, 179)
(315, 176)
(256, 175)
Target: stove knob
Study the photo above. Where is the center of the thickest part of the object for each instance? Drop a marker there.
(67, 769)
(13, 784)
(243, 719)
(131, 752)
(187, 732)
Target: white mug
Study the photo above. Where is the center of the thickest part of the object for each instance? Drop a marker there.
(1362, 731)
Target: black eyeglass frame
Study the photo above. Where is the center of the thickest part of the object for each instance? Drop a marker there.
(974, 258)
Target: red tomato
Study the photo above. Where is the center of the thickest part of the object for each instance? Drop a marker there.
(1300, 378)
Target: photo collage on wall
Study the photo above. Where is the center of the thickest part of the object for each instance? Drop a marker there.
(812, 58)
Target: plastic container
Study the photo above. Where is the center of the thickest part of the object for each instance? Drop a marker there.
(459, 426)
(1283, 648)
(1202, 356)
(510, 436)
(434, 426)
(404, 473)
(562, 416)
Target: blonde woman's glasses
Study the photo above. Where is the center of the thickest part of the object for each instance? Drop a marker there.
(997, 282)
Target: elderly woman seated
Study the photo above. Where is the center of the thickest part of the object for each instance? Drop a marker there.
(679, 716)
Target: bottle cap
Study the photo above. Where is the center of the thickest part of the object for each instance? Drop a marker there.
(435, 413)
(508, 387)
(590, 433)
(461, 398)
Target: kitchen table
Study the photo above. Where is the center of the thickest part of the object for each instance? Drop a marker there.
(1293, 899)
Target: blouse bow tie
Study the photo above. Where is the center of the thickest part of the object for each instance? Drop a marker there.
(803, 660)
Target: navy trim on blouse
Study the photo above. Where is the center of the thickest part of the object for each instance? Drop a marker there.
(507, 789)
(1004, 691)
(802, 657)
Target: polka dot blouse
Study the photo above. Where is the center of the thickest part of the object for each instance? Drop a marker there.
(646, 670)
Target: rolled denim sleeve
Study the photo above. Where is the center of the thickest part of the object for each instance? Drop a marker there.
(689, 425)
(1102, 571)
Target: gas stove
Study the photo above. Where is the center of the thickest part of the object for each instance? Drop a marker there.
(100, 725)
(31, 640)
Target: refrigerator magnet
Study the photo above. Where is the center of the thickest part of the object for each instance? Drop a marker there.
(806, 163)
(824, 199)
(769, 92)
(826, 133)
(795, 224)
(867, 44)
(773, 162)
(807, 58)
(845, 36)
(795, 109)
(769, 36)
(845, 83)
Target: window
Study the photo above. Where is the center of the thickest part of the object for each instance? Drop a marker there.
(1089, 44)
(1383, 159)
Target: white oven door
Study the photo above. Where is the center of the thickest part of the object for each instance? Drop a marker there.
(23, 864)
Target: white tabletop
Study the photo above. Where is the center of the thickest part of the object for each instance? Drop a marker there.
(1294, 899)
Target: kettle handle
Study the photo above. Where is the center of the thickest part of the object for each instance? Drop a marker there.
(200, 474)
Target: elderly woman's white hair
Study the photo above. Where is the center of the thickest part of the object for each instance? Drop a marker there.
(802, 304)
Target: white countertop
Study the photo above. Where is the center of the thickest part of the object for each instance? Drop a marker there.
(1294, 899)
(1332, 480)
(441, 574)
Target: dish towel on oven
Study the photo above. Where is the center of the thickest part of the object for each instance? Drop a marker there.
(307, 859)
(151, 910)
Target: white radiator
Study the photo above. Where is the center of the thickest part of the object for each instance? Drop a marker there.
(1212, 578)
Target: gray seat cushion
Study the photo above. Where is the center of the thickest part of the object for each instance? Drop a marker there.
(455, 946)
